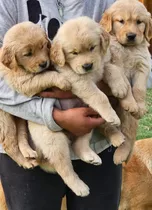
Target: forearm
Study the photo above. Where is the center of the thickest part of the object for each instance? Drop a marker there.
(35, 109)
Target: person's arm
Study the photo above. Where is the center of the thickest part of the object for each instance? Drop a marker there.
(40, 110)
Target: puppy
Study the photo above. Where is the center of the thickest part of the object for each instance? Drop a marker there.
(137, 178)
(24, 57)
(130, 27)
(80, 60)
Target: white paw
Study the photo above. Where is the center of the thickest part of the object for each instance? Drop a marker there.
(30, 164)
(64, 85)
(80, 189)
(120, 91)
(117, 139)
(92, 158)
(130, 106)
(29, 153)
(121, 155)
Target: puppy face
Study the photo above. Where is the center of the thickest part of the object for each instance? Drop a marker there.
(129, 21)
(26, 45)
(80, 43)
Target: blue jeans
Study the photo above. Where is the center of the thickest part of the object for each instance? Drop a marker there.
(36, 190)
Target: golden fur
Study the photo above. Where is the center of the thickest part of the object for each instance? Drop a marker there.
(137, 178)
(21, 59)
(20, 73)
(72, 58)
(131, 30)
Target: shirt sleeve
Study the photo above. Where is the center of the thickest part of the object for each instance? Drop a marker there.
(35, 109)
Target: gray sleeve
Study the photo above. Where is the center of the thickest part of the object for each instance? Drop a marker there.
(8, 16)
(34, 109)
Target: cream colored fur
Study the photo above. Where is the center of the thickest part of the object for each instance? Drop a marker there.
(19, 70)
(20, 73)
(88, 44)
(130, 64)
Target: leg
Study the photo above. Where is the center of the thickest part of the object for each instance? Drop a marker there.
(8, 138)
(129, 127)
(128, 103)
(30, 189)
(22, 136)
(55, 149)
(82, 149)
(113, 133)
(104, 182)
(139, 90)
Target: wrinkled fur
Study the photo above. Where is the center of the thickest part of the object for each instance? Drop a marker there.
(130, 63)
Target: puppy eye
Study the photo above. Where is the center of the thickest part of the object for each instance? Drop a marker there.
(122, 21)
(75, 53)
(92, 48)
(139, 22)
(28, 54)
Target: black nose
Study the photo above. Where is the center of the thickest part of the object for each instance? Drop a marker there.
(87, 66)
(131, 36)
(43, 64)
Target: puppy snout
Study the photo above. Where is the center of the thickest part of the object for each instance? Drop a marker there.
(131, 36)
(87, 66)
(43, 64)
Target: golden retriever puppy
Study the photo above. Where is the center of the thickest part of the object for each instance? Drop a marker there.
(130, 27)
(137, 178)
(24, 55)
(80, 60)
(22, 62)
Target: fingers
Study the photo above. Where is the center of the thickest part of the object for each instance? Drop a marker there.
(94, 122)
(89, 112)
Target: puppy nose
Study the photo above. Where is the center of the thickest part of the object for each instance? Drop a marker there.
(131, 36)
(87, 66)
(43, 64)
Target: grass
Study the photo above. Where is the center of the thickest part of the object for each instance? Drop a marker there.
(145, 124)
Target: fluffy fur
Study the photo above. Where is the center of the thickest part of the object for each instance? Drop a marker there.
(22, 59)
(130, 26)
(137, 178)
(80, 60)
(27, 56)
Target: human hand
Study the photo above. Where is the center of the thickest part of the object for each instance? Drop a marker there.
(78, 121)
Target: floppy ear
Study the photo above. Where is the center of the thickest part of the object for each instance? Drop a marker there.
(105, 40)
(57, 54)
(8, 58)
(148, 30)
(106, 21)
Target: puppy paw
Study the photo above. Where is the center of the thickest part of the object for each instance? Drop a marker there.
(29, 164)
(91, 157)
(130, 106)
(120, 89)
(80, 188)
(64, 85)
(121, 155)
(117, 139)
(29, 153)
